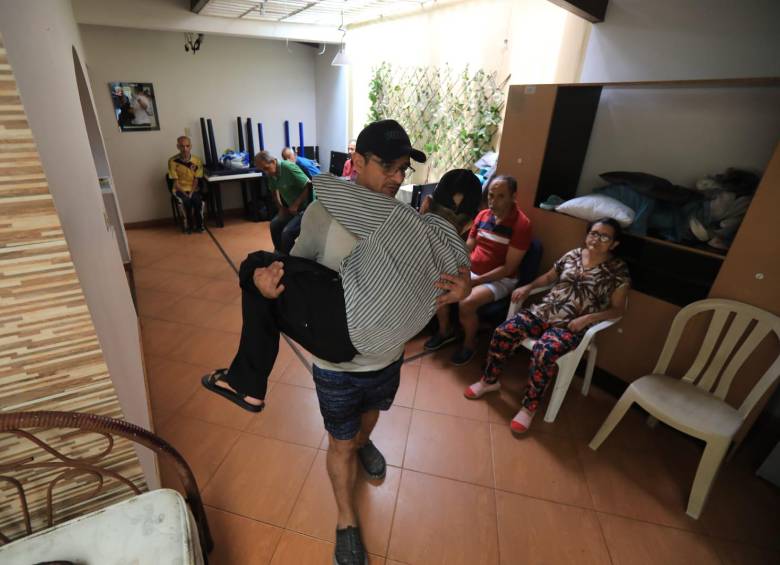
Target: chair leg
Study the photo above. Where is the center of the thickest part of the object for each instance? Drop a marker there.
(560, 387)
(591, 353)
(617, 413)
(711, 459)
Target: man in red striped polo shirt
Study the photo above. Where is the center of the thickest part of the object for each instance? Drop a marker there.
(498, 240)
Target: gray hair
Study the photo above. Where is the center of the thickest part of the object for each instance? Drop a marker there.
(264, 157)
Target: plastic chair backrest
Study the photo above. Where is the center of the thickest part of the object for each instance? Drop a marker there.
(737, 329)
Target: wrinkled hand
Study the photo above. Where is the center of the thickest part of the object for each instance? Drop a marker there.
(520, 294)
(579, 324)
(455, 287)
(267, 280)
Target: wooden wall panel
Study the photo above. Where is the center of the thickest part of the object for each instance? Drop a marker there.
(50, 357)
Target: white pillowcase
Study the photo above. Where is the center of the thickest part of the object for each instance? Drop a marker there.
(596, 206)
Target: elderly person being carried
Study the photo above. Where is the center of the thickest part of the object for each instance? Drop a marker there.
(590, 285)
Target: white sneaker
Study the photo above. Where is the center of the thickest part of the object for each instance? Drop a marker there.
(480, 389)
(522, 421)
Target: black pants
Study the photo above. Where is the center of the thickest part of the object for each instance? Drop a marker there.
(285, 229)
(310, 310)
(193, 209)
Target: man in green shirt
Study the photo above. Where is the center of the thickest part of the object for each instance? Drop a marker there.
(293, 192)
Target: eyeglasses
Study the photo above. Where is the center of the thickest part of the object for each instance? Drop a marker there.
(602, 237)
(389, 169)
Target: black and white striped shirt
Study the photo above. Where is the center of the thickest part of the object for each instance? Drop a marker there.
(388, 277)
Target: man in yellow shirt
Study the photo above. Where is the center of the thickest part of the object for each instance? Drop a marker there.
(185, 170)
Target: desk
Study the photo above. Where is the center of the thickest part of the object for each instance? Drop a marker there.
(215, 188)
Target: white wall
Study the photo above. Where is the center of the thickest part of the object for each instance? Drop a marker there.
(332, 91)
(40, 37)
(681, 134)
(684, 39)
(262, 79)
(534, 41)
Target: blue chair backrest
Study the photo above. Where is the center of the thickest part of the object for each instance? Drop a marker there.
(529, 266)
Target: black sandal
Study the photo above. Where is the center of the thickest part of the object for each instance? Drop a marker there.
(210, 383)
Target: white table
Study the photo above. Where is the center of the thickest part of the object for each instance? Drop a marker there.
(215, 182)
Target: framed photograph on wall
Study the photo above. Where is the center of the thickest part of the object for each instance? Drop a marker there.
(134, 106)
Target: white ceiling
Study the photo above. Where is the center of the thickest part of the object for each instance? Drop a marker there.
(320, 13)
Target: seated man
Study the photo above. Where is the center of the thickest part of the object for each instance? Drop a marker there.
(293, 192)
(498, 240)
(309, 167)
(349, 169)
(185, 170)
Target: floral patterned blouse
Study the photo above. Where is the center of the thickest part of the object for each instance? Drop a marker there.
(580, 290)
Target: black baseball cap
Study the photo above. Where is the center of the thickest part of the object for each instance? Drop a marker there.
(459, 181)
(387, 140)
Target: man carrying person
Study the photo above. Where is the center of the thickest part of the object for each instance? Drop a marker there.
(185, 171)
(293, 193)
(498, 240)
(309, 167)
(391, 259)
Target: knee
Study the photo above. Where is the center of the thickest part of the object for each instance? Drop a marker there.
(342, 447)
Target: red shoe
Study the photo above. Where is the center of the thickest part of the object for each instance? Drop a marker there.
(522, 421)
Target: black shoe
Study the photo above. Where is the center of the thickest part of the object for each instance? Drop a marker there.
(437, 341)
(373, 461)
(349, 547)
(462, 357)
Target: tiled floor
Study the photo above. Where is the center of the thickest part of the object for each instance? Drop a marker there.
(460, 488)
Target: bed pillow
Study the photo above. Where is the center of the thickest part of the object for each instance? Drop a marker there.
(596, 206)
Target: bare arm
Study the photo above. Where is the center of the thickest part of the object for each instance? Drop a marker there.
(617, 308)
(302, 197)
(511, 264)
(471, 243)
(520, 294)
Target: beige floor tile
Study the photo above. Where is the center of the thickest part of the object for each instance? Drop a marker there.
(152, 302)
(450, 447)
(295, 549)
(442, 391)
(315, 512)
(206, 347)
(646, 486)
(443, 521)
(204, 446)
(160, 337)
(172, 383)
(408, 385)
(536, 531)
(239, 540)
(260, 479)
(631, 542)
(732, 553)
(284, 357)
(153, 279)
(390, 434)
(210, 407)
(193, 311)
(296, 373)
(226, 292)
(742, 507)
(227, 319)
(541, 465)
(188, 285)
(291, 414)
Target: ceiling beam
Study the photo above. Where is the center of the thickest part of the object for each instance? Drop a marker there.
(591, 10)
(171, 15)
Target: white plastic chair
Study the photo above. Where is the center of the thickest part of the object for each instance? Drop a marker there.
(694, 404)
(567, 364)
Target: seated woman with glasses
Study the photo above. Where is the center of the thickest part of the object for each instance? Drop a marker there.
(590, 285)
